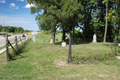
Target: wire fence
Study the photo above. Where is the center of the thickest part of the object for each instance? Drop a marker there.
(13, 43)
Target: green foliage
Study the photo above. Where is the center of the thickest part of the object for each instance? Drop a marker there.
(77, 35)
(56, 39)
(58, 31)
(11, 29)
(118, 39)
(63, 14)
(67, 14)
(46, 32)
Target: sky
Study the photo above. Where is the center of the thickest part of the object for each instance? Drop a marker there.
(17, 13)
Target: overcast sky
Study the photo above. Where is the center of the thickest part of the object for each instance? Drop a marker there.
(17, 13)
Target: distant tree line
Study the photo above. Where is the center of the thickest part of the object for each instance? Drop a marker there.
(12, 29)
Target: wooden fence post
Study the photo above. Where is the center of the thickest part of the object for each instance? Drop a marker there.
(7, 49)
(12, 47)
(16, 42)
(20, 40)
(69, 52)
(29, 38)
(115, 45)
(25, 39)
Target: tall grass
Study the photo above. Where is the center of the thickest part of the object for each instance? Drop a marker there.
(16, 51)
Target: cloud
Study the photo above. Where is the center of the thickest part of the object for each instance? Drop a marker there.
(17, 7)
(13, 6)
(20, 0)
(2, 1)
(29, 5)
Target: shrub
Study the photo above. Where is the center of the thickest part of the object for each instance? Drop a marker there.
(46, 32)
(56, 39)
(118, 39)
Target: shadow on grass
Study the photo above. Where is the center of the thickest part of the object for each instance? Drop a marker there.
(58, 43)
(18, 52)
(75, 43)
(109, 45)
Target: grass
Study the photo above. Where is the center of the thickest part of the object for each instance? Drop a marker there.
(41, 61)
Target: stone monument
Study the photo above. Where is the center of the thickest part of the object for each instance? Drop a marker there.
(94, 38)
(63, 44)
(34, 37)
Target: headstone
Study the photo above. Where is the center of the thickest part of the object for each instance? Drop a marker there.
(34, 37)
(63, 44)
(118, 44)
(94, 38)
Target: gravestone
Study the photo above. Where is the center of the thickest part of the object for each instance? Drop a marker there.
(34, 37)
(63, 44)
(94, 38)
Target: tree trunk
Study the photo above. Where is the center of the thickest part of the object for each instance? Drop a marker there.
(105, 34)
(63, 38)
(73, 33)
(84, 12)
(53, 36)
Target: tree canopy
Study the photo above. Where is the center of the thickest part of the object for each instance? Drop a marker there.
(91, 16)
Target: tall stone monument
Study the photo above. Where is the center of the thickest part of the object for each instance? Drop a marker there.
(34, 37)
(94, 38)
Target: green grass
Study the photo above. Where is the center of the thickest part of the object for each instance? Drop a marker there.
(41, 61)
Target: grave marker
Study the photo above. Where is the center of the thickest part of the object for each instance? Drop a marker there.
(94, 38)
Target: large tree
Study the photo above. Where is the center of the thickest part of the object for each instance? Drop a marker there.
(57, 13)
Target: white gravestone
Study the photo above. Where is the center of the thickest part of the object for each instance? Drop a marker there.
(34, 37)
(94, 38)
(63, 44)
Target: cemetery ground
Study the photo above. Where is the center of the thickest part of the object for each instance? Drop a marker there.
(42, 61)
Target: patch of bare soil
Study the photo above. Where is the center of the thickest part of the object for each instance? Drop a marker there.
(71, 75)
(61, 63)
(102, 75)
(109, 76)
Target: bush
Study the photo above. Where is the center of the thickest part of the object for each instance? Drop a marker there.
(118, 39)
(58, 31)
(46, 32)
(77, 36)
(56, 39)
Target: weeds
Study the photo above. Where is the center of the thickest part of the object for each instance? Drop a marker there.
(17, 51)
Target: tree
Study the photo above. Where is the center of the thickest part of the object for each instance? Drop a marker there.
(48, 19)
(57, 13)
(106, 22)
(69, 15)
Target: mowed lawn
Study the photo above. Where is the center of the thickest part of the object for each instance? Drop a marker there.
(42, 61)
